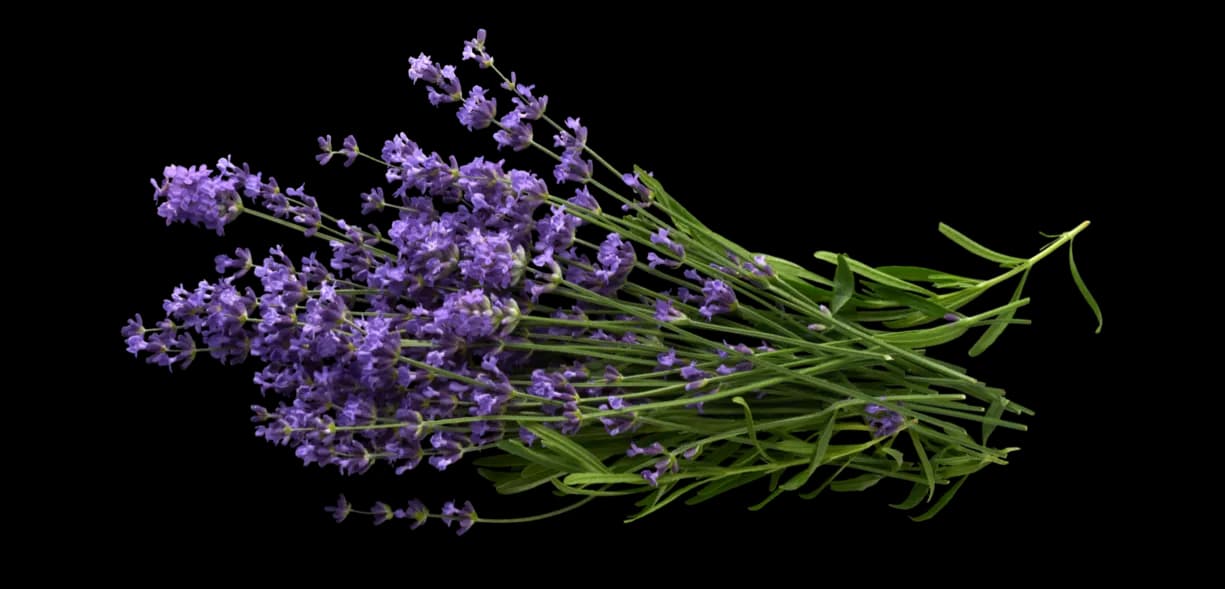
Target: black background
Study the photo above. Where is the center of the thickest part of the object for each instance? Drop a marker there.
(789, 134)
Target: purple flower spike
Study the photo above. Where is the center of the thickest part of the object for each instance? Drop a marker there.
(349, 148)
(611, 374)
(719, 299)
(416, 511)
(654, 449)
(341, 510)
(665, 312)
(325, 146)
(193, 195)
(372, 201)
(515, 133)
(382, 512)
(651, 476)
(465, 517)
(444, 85)
(475, 50)
(884, 422)
(477, 112)
(241, 262)
(667, 359)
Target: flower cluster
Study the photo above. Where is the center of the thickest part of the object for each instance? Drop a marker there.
(488, 310)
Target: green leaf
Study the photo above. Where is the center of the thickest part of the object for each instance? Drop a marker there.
(913, 499)
(928, 473)
(751, 427)
(789, 269)
(723, 485)
(813, 494)
(939, 505)
(501, 461)
(920, 304)
(844, 285)
(1084, 290)
(932, 336)
(564, 489)
(936, 278)
(995, 329)
(563, 445)
(858, 483)
(994, 411)
(895, 454)
(925, 338)
(656, 505)
(872, 273)
(532, 477)
(595, 478)
(764, 502)
(818, 456)
(537, 456)
(977, 249)
(497, 476)
(775, 476)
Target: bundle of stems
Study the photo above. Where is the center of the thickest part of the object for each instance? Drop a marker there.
(498, 320)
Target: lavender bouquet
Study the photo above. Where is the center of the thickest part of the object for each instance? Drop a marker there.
(586, 335)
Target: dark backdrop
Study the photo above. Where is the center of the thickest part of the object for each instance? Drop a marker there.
(786, 134)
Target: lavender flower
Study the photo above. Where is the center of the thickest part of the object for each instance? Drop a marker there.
(514, 132)
(477, 112)
(325, 146)
(666, 312)
(372, 201)
(349, 149)
(667, 359)
(194, 195)
(526, 103)
(719, 299)
(465, 516)
(618, 424)
(884, 422)
(475, 50)
(584, 199)
(654, 448)
(444, 85)
(416, 511)
(476, 315)
(382, 512)
(572, 167)
(241, 262)
(341, 510)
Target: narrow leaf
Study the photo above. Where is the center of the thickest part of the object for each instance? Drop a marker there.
(858, 483)
(995, 329)
(913, 499)
(812, 494)
(723, 485)
(844, 285)
(818, 456)
(939, 505)
(536, 456)
(978, 249)
(592, 478)
(994, 411)
(920, 304)
(764, 502)
(872, 273)
(567, 447)
(1084, 290)
(935, 278)
(529, 480)
(928, 473)
(752, 427)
